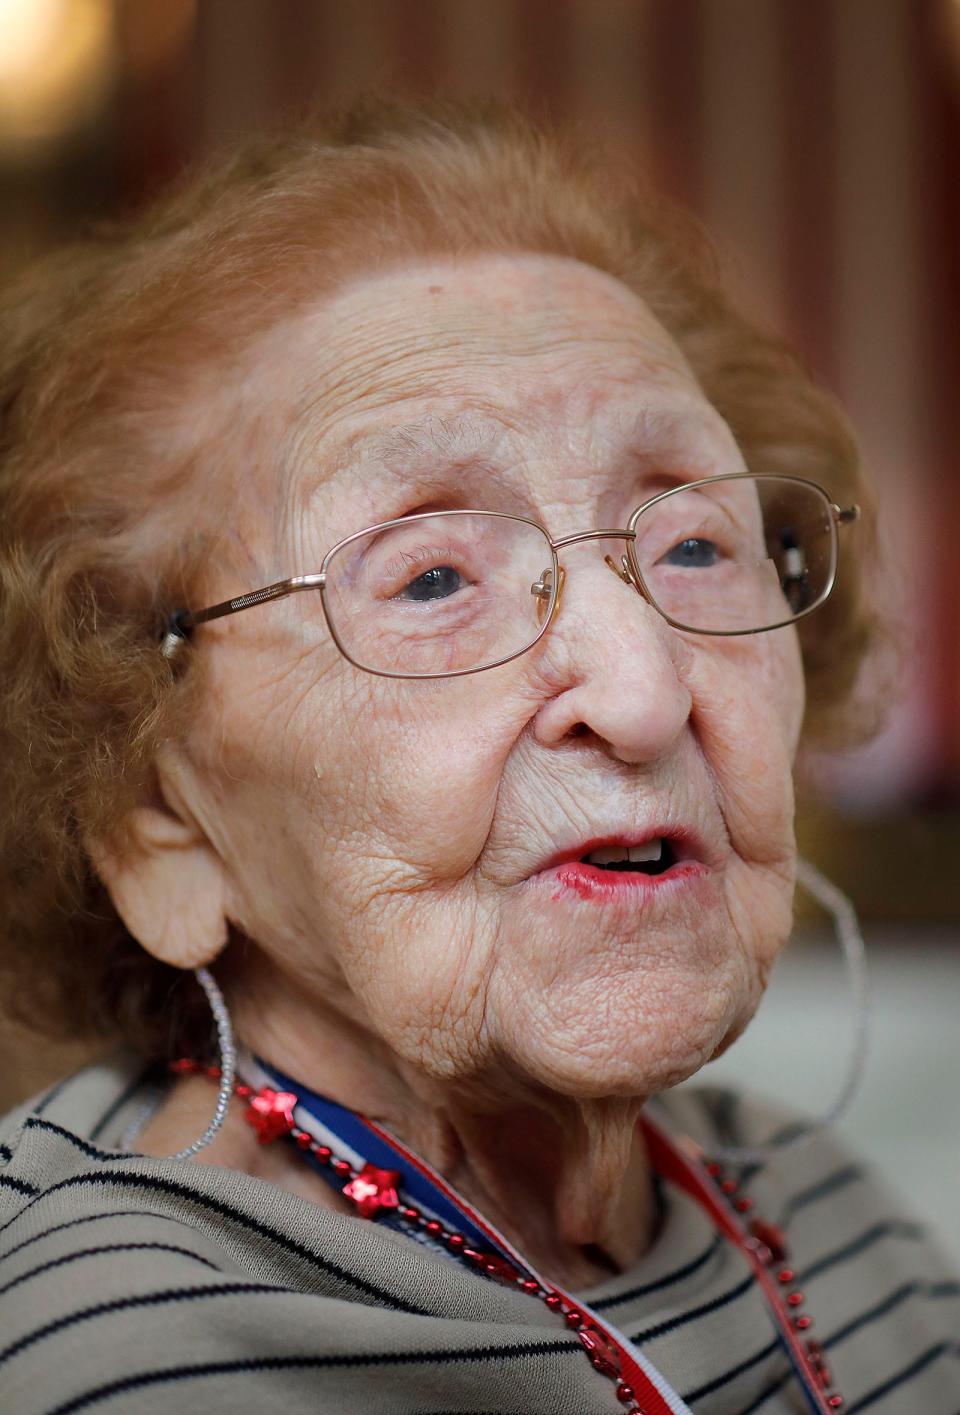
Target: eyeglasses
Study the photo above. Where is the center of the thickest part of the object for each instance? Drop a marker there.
(444, 593)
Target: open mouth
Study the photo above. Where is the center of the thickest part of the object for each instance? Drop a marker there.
(628, 869)
(654, 857)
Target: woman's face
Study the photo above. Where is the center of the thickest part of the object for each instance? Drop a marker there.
(390, 846)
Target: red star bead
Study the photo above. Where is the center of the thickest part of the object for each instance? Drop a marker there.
(772, 1236)
(763, 1253)
(374, 1190)
(601, 1350)
(271, 1114)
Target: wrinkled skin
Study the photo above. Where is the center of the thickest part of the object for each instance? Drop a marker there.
(376, 840)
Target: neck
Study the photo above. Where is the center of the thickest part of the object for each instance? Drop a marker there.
(567, 1184)
(566, 1181)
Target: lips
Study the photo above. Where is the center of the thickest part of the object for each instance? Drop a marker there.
(574, 872)
(606, 852)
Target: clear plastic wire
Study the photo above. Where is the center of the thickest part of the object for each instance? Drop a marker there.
(854, 955)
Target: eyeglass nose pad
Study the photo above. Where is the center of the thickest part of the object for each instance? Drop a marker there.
(625, 574)
(543, 588)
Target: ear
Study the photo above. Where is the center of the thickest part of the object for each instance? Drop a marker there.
(165, 878)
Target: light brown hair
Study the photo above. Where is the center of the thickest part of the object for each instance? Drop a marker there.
(104, 347)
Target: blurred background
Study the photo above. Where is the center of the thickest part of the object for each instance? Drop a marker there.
(820, 143)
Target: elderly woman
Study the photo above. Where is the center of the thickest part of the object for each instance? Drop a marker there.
(475, 799)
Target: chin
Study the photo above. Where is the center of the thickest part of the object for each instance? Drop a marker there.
(624, 1061)
(620, 1012)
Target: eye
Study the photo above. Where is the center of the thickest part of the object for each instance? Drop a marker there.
(439, 582)
(694, 553)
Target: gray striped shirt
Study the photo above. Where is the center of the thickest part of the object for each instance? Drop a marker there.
(134, 1284)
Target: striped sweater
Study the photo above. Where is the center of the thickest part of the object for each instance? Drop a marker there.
(129, 1283)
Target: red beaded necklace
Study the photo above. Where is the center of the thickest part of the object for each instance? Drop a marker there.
(376, 1191)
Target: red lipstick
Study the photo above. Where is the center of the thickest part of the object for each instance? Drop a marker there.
(569, 870)
(594, 882)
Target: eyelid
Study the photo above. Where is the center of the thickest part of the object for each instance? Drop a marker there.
(722, 500)
(703, 502)
(653, 485)
(406, 559)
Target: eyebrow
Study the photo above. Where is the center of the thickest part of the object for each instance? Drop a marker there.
(671, 438)
(458, 436)
(464, 435)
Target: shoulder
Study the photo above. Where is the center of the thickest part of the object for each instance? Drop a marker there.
(158, 1283)
(813, 1179)
(119, 1271)
(65, 1170)
(86, 1101)
(80, 1234)
(883, 1293)
(804, 1162)
(67, 1118)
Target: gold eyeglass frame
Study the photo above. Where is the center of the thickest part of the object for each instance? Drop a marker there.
(548, 589)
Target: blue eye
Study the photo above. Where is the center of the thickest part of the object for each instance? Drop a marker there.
(693, 554)
(437, 583)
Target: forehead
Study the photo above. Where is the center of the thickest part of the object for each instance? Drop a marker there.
(486, 360)
(442, 325)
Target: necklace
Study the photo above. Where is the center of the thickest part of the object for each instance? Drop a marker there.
(385, 1181)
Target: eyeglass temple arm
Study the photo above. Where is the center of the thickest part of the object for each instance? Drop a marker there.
(843, 515)
(182, 622)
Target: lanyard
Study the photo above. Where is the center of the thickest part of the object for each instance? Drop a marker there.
(359, 1144)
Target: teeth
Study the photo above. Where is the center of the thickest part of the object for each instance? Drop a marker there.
(651, 851)
(616, 854)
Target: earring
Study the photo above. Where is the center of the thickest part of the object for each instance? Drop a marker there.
(228, 1062)
(854, 956)
(228, 1069)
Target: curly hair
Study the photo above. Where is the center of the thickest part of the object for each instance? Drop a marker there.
(106, 353)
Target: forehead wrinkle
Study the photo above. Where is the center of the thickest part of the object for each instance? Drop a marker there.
(383, 364)
(460, 435)
(647, 430)
(424, 451)
(363, 356)
(487, 408)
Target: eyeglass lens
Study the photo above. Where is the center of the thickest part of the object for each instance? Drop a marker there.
(738, 555)
(437, 594)
(464, 590)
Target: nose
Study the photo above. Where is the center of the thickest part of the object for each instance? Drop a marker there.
(617, 669)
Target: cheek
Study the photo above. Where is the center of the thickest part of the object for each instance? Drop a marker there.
(786, 685)
(748, 703)
(427, 761)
